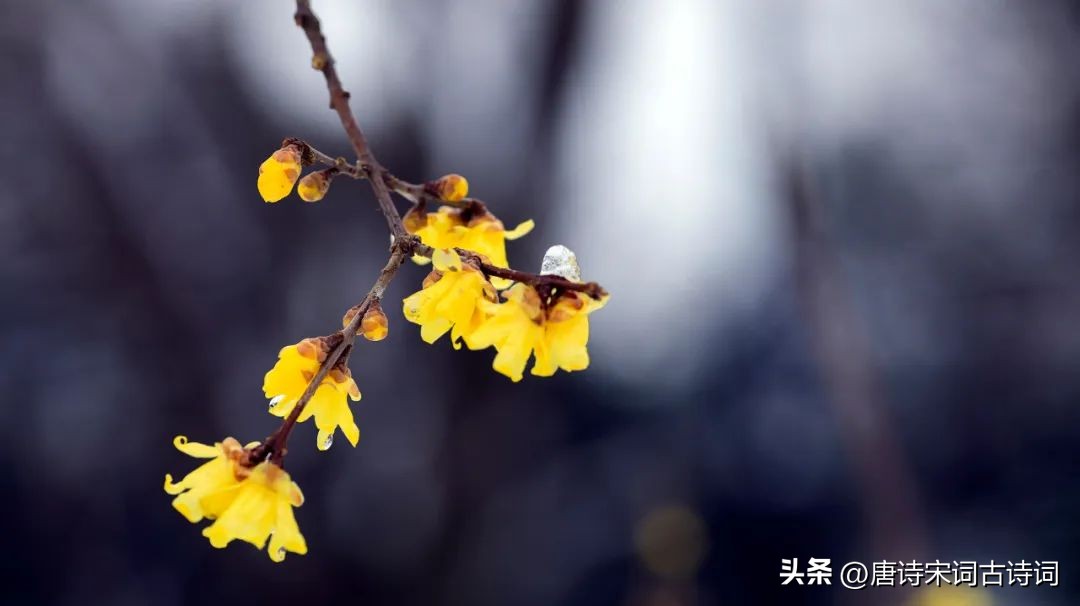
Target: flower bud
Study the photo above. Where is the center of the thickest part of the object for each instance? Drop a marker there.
(374, 326)
(348, 317)
(278, 173)
(451, 188)
(314, 185)
(313, 348)
(415, 219)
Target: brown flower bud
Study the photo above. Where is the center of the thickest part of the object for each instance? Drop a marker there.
(433, 277)
(313, 348)
(451, 188)
(374, 326)
(313, 186)
(348, 317)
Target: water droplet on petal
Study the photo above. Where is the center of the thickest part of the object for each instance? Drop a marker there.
(276, 400)
(328, 442)
(281, 552)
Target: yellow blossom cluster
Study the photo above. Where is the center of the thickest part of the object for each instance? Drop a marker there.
(252, 504)
(554, 332)
(243, 490)
(457, 297)
(252, 500)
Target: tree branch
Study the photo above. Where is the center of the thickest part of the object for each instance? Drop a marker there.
(274, 447)
(323, 61)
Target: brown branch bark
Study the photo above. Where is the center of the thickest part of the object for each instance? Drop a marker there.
(888, 490)
(339, 102)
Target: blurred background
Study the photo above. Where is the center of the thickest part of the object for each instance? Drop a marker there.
(842, 239)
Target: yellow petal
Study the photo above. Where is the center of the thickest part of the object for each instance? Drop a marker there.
(286, 535)
(276, 179)
(446, 260)
(296, 497)
(523, 228)
(431, 331)
(249, 518)
(595, 304)
(188, 507)
(511, 362)
(171, 488)
(349, 428)
(195, 449)
(354, 391)
(513, 353)
(216, 502)
(544, 365)
(566, 342)
(324, 439)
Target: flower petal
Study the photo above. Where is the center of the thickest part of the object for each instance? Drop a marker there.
(195, 449)
(522, 228)
(446, 259)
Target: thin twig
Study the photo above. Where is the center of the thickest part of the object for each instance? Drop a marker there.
(275, 444)
(339, 102)
(413, 192)
(548, 282)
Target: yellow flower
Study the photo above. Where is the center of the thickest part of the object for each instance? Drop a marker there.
(471, 229)
(278, 173)
(555, 333)
(486, 235)
(289, 378)
(450, 300)
(212, 477)
(261, 507)
(441, 229)
(247, 504)
(313, 186)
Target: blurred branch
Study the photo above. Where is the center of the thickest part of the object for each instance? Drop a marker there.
(842, 349)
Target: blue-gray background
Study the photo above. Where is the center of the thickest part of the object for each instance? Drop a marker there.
(841, 237)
